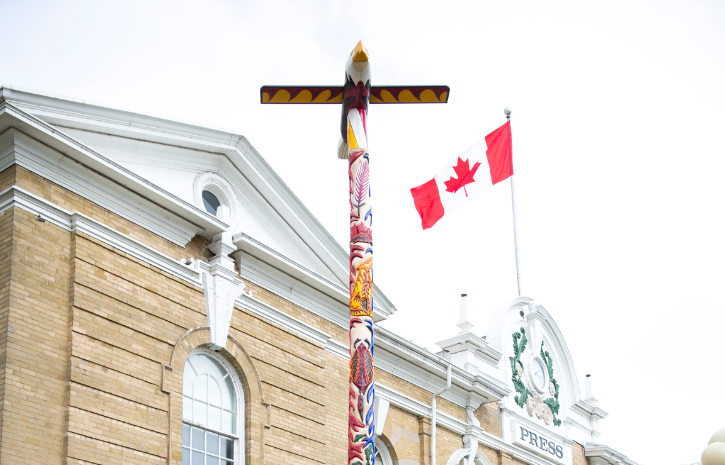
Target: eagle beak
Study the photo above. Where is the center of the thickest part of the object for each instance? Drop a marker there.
(359, 53)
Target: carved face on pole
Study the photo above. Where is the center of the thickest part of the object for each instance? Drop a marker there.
(356, 93)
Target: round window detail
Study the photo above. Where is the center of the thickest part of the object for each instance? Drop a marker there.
(211, 202)
(214, 195)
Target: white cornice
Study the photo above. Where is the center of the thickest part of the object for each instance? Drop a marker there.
(487, 388)
(258, 272)
(588, 410)
(470, 342)
(84, 114)
(599, 454)
(16, 197)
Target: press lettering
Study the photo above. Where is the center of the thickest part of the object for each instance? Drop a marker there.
(542, 443)
(524, 432)
(559, 452)
(533, 439)
(552, 448)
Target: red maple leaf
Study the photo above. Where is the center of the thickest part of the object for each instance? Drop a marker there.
(465, 176)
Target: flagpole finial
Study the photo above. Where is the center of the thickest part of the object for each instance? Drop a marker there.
(507, 112)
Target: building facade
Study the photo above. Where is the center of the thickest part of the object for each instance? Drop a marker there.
(166, 299)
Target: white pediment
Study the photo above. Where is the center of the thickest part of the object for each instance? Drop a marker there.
(175, 169)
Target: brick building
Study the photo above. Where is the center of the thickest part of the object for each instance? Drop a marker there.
(167, 299)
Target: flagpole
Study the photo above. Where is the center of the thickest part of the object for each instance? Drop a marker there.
(507, 112)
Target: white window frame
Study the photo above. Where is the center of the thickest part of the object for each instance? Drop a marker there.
(239, 451)
(382, 449)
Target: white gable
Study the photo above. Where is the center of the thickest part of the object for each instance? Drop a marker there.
(175, 170)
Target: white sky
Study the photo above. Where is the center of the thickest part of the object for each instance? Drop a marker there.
(618, 117)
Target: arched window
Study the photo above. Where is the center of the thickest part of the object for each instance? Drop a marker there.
(212, 412)
(382, 454)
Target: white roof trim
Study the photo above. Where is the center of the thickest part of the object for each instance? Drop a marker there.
(35, 112)
(600, 454)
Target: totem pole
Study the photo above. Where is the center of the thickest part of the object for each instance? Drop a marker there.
(355, 96)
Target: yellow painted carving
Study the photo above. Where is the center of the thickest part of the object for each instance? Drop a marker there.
(351, 141)
(428, 96)
(336, 99)
(265, 97)
(281, 96)
(387, 96)
(406, 96)
(304, 96)
(324, 95)
(361, 297)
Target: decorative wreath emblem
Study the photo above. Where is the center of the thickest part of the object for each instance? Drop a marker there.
(536, 405)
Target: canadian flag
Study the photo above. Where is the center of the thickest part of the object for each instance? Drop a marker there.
(488, 162)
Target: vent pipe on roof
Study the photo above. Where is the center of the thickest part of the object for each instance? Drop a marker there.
(463, 323)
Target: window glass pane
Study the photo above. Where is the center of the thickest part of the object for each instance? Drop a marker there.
(197, 438)
(215, 395)
(200, 387)
(212, 460)
(197, 458)
(215, 418)
(185, 459)
(187, 408)
(185, 436)
(189, 376)
(227, 448)
(211, 203)
(199, 412)
(205, 364)
(230, 400)
(212, 443)
(228, 422)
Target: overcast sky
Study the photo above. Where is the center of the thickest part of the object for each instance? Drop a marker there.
(618, 121)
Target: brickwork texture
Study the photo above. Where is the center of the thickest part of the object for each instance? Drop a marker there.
(93, 344)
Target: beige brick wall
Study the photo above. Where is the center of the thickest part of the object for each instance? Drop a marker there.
(37, 349)
(490, 417)
(84, 377)
(577, 455)
(6, 240)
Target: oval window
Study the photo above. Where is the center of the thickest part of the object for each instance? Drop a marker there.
(211, 203)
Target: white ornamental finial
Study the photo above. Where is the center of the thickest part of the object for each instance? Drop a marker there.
(588, 393)
(463, 323)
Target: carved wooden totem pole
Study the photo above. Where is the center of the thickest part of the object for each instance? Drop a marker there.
(355, 96)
